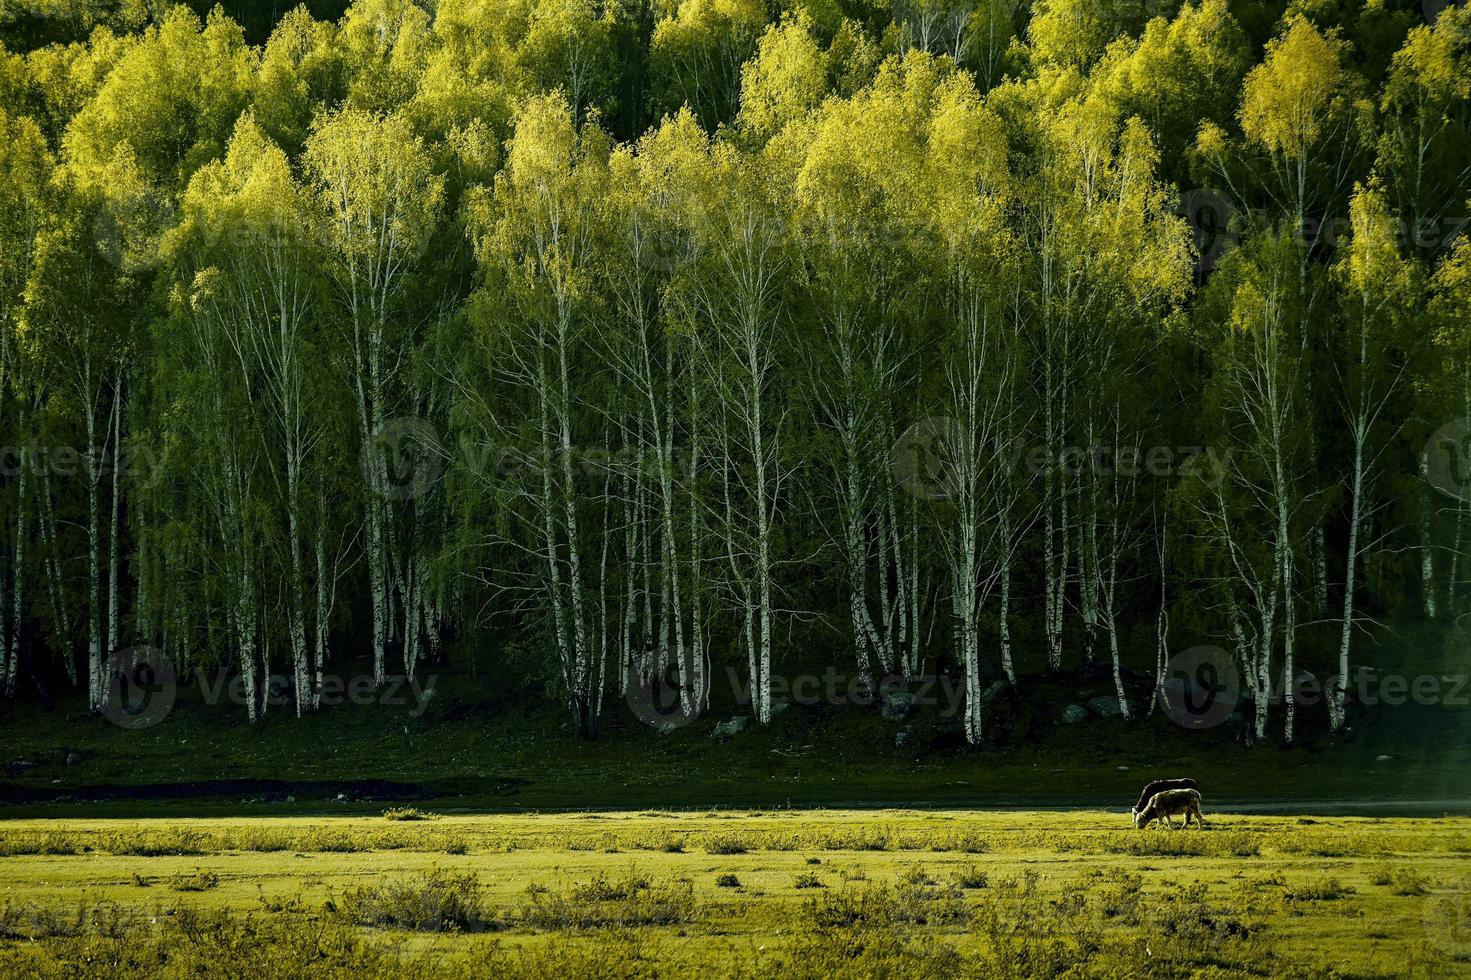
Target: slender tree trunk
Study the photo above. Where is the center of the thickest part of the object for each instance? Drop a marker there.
(96, 664)
(17, 604)
(59, 613)
(1339, 689)
(112, 538)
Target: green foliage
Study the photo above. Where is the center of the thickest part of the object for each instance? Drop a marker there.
(408, 813)
(603, 903)
(440, 901)
(199, 881)
(585, 333)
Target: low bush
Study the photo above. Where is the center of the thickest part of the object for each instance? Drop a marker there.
(199, 881)
(603, 903)
(1407, 881)
(1326, 890)
(725, 844)
(440, 901)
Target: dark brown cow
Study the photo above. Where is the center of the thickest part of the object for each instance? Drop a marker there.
(1159, 786)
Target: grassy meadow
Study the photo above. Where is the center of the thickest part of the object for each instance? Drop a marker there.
(736, 893)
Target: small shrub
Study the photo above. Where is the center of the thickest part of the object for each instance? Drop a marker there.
(1327, 890)
(157, 843)
(807, 880)
(335, 843)
(972, 844)
(199, 881)
(727, 881)
(602, 903)
(600, 889)
(28, 845)
(438, 902)
(1407, 881)
(725, 844)
(408, 813)
(971, 877)
(885, 907)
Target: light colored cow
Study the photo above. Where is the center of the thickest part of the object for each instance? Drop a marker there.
(1170, 803)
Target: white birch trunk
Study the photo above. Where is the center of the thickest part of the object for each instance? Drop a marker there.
(112, 538)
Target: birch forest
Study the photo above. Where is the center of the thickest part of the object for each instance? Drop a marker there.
(573, 343)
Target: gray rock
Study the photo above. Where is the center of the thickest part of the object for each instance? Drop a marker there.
(73, 757)
(725, 729)
(1383, 758)
(1106, 707)
(993, 691)
(1072, 714)
(897, 705)
(779, 708)
(1123, 768)
(21, 767)
(666, 728)
(903, 738)
(290, 799)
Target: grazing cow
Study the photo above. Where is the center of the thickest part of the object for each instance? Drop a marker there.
(1170, 803)
(1159, 786)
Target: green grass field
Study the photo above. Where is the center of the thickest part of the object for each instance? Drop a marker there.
(737, 893)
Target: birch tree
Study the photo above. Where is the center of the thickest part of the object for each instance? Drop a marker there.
(737, 291)
(249, 221)
(1259, 368)
(538, 230)
(1377, 285)
(24, 202)
(76, 335)
(380, 201)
